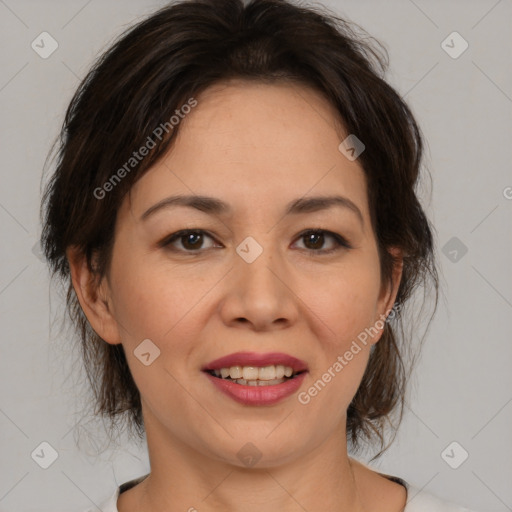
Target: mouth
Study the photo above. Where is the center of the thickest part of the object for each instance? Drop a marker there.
(257, 379)
(256, 376)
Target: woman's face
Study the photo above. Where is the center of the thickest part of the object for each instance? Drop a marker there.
(251, 281)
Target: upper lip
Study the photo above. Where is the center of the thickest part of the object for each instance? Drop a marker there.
(256, 359)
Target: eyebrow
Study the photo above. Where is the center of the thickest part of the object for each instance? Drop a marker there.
(214, 206)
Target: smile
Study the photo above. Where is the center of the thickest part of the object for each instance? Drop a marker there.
(256, 376)
(252, 378)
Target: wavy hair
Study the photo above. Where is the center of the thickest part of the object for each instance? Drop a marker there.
(174, 54)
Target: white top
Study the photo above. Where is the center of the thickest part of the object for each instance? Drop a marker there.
(417, 500)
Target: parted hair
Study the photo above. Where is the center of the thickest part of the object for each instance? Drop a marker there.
(155, 67)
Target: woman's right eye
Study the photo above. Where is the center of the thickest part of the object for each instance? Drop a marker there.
(190, 239)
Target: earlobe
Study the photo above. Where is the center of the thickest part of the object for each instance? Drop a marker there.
(93, 294)
(395, 278)
(389, 293)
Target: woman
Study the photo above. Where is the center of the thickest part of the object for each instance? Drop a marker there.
(234, 212)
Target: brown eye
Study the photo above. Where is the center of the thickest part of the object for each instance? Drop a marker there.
(191, 240)
(314, 240)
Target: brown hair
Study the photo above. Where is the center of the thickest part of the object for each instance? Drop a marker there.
(153, 69)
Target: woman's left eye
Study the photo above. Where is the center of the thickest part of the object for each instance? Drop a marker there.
(316, 237)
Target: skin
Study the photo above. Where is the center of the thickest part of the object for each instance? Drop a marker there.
(256, 147)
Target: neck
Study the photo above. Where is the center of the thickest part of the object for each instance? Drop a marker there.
(184, 478)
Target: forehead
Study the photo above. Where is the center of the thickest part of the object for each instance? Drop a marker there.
(252, 144)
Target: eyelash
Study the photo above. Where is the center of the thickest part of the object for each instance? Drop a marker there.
(341, 243)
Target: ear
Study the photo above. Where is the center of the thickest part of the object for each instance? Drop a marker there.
(388, 293)
(93, 294)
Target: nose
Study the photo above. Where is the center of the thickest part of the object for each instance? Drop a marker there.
(259, 295)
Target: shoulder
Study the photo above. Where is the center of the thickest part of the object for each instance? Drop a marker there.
(416, 499)
(422, 501)
(109, 504)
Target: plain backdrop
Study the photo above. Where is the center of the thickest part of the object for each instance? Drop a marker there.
(462, 388)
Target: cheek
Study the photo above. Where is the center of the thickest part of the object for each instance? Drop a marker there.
(153, 301)
(342, 351)
(345, 306)
(344, 302)
(158, 303)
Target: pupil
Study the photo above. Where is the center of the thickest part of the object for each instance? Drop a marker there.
(312, 236)
(189, 239)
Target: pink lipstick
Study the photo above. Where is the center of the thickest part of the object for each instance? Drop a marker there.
(256, 379)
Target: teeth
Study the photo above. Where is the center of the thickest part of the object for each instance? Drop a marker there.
(267, 373)
(254, 375)
(235, 372)
(250, 372)
(259, 382)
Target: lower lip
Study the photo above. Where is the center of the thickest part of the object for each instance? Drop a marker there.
(257, 395)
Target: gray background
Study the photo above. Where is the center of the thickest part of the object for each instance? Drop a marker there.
(462, 387)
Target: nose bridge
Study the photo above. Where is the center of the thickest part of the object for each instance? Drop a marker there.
(255, 263)
(256, 259)
(260, 294)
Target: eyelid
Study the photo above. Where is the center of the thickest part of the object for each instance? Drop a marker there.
(340, 241)
(168, 240)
